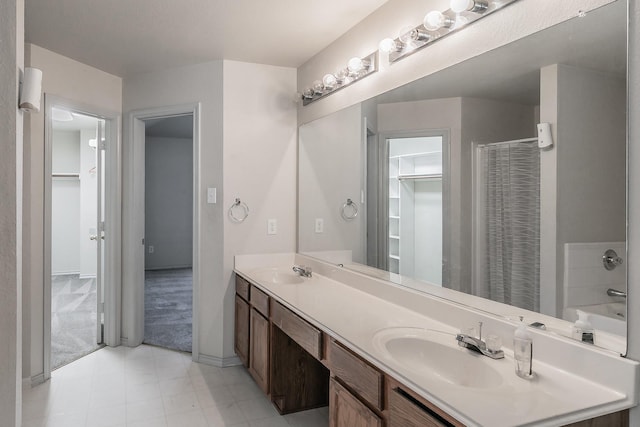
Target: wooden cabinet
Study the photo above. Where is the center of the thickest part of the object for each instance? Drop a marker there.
(345, 410)
(306, 335)
(405, 411)
(241, 332)
(295, 364)
(617, 419)
(358, 375)
(299, 380)
(259, 350)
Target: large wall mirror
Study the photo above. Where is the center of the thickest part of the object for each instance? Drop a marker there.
(441, 183)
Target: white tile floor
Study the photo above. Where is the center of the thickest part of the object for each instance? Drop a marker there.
(153, 387)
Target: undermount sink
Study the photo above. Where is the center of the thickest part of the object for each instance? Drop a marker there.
(278, 276)
(435, 354)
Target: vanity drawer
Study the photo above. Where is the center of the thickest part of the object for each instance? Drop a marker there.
(242, 287)
(307, 336)
(260, 301)
(361, 377)
(406, 411)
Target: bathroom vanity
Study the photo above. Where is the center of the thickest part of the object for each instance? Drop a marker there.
(382, 355)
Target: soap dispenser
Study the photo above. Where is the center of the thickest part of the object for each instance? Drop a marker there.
(582, 329)
(523, 351)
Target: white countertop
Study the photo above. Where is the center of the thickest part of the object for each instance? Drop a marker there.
(556, 396)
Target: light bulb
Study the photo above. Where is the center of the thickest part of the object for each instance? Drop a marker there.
(405, 35)
(458, 6)
(390, 45)
(354, 65)
(318, 87)
(308, 93)
(435, 20)
(329, 81)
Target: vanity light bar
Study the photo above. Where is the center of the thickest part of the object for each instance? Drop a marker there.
(356, 69)
(437, 25)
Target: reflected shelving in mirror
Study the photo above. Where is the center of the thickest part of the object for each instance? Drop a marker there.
(459, 226)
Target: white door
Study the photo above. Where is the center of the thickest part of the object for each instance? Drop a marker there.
(82, 232)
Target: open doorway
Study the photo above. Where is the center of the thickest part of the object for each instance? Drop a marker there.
(168, 224)
(414, 209)
(82, 217)
(77, 194)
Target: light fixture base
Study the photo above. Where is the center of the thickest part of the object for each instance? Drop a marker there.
(461, 19)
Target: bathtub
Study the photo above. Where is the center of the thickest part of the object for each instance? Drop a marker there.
(610, 317)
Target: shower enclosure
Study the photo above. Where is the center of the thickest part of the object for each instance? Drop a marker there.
(507, 222)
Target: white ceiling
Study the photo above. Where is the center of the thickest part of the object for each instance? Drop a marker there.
(125, 37)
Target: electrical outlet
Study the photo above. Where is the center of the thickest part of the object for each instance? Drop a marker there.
(272, 226)
(319, 225)
(151, 249)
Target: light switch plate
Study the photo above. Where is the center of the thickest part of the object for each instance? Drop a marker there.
(211, 195)
(272, 226)
(319, 225)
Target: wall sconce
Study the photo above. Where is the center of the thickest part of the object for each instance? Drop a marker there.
(437, 25)
(31, 90)
(357, 68)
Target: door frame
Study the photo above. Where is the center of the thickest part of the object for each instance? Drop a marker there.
(383, 193)
(133, 308)
(113, 220)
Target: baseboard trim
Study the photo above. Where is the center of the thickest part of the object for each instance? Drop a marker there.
(220, 362)
(168, 267)
(36, 379)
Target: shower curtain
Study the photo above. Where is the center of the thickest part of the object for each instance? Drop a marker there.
(510, 183)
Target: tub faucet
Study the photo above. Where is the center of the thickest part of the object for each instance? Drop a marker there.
(616, 293)
(302, 270)
(478, 345)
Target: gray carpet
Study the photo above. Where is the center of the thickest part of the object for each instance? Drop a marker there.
(168, 308)
(73, 318)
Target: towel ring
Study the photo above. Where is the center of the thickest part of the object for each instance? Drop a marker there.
(349, 210)
(241, 216)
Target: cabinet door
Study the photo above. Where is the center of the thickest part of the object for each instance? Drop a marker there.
(345, 410)
(259, 350)
(405, 411)
(241, 333)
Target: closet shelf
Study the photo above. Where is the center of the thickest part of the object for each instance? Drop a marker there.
(65, 175)
(425, 177)
(393, 236)
(394, 257)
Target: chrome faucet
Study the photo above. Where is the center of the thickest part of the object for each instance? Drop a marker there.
(616, 293)
(302, 270)
(478, 345)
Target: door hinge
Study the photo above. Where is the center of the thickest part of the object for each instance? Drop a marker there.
(102, 145)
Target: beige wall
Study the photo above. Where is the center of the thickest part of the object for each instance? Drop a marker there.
(330, 171)
(81, 84)
(11, 118)
(259, 163)
(591, 160)
(179, 86)
(248, 150)
(514, 22)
